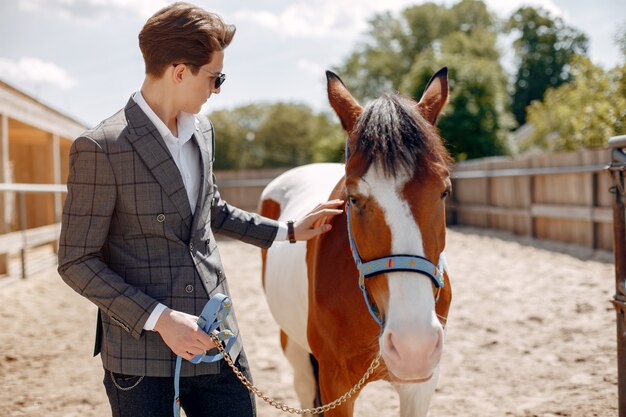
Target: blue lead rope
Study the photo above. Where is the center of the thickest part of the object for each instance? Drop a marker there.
(213, 314)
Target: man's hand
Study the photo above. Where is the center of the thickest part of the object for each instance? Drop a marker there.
(305, 228)
(182, 335)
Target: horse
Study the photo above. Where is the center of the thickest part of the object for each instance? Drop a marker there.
(334, 318)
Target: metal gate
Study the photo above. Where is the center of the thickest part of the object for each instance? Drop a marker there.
(617, 169)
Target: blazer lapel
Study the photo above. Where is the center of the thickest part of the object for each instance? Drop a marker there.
(202, 136)
(151, 148)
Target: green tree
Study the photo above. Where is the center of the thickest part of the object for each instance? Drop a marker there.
(403, 53)
(544, 47)
(475, 123)
(274, 135)
(232, 128)
(620, 38)
(585, 112)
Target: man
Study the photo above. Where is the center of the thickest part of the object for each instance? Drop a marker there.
(137, 232)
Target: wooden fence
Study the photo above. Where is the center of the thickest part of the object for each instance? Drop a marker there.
(563, 197)
(243, 188)
(29, 249)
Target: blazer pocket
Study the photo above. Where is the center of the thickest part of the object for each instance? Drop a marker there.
(160, 292)
(125, 382)
(144, 276)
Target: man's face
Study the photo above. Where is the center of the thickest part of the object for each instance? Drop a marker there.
(196, 89)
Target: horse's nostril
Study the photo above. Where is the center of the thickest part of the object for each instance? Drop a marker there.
(390, 346)
(439, 345)
(440, 332)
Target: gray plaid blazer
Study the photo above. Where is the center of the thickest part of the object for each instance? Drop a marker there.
(129, 239)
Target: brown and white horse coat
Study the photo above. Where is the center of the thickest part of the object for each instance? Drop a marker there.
(396, 179)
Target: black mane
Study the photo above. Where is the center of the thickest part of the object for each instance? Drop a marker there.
(392, 132)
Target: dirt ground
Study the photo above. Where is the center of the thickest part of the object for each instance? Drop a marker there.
(531, 332)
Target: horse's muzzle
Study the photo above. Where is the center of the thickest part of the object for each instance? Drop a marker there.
(412, 356)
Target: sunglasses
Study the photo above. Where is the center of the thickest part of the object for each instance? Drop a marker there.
(219, 76)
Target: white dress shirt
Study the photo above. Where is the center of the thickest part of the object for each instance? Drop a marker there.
(186, 155)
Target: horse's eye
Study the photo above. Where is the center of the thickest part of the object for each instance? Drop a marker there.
(445, 193)
(353, 200)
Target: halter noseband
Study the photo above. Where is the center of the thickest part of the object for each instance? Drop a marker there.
(410, 263)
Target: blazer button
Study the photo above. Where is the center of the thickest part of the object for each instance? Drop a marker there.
(161, 218)
(191, 246)
(189, 288)
(219, 273)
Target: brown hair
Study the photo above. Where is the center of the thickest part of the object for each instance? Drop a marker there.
(182, 33)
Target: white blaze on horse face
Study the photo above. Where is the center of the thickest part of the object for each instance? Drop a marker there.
(412, 340)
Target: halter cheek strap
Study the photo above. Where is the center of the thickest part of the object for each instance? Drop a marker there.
(387, 264)
(394, 263)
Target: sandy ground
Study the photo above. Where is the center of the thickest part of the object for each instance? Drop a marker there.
(531, 333)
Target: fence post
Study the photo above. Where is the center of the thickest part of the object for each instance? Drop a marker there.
(5, 176)
(594, 203)
(617, 169)
(531, 199)
(23, 225)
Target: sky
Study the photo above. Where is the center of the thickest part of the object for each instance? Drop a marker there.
(82, 57)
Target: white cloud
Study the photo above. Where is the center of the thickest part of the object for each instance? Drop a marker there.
(35, 71)
(310, 67)
(505, 8)
(143, 8)
(321, 18)
(93, 10)
(348, 18)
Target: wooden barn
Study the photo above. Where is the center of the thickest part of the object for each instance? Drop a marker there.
(34, 148)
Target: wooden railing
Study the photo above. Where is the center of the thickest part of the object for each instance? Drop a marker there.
(562, 197)
(243, 188)
(23, 239)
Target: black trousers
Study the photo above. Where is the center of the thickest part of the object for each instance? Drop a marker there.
(220, 395)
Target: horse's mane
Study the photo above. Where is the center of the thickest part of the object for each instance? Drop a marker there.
(392, 132)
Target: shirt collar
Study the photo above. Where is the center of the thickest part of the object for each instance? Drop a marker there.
(186, 121)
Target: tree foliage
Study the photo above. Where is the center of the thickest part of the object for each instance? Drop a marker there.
(403, 52)
(620, 38)
(585, 112)
(583, 104)
(544, 47)
(274, 135)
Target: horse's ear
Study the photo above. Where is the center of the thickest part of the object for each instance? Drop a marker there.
(342, 102)
(435, 96)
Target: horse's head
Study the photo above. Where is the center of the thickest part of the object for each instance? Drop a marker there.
(397, 178)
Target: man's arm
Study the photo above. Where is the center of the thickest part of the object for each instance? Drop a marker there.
(240, 224)
(84, 229)
(258, 230)
(261, 231)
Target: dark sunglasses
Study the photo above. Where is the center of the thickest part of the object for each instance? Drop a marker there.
(219, 76)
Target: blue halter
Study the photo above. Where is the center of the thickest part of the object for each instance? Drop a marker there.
(387, 264)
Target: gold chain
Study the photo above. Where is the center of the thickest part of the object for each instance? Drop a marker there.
(284, 407)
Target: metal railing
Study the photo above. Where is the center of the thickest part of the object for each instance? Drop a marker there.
(617, 169)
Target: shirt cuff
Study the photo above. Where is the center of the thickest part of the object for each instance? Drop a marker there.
(282, 231)
(154, 317)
